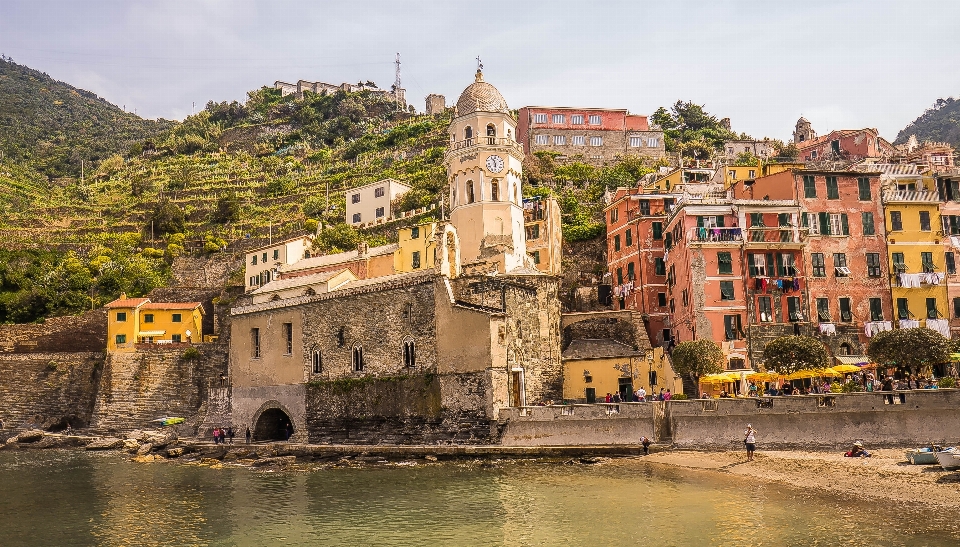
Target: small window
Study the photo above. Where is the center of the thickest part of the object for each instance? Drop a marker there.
(899, 265)
(903, 309)
(846, 315)
(470, 196)
(176, 318)
(557, 118)
(594, 119)
(379, 192)
(491, 130)
(577, 140)
(661, 299)
(536, 257)
(415, 232)
(752, 174)
(121, 339)
(765, 309)
(533, 232)
(596, 141)
(726, 290)
(950, 262)
(925, 221)
(809, 187)
(255, 342)
(616, 242)
(121, 316)
(873, 265)
(176, 338)
(659, 266)
(653, 142)
(819, 265)
(869, 227)
(614, 215)
(823, 310)
(276, 254)
(356, 217)
(926, 260)
(379, 212)
(358, 359)
(793, 308)
(576, 119)
(956, 308)
(724, 263)
(288, 338)
(876, 309)
(539, 118)
(542, 139)
(254, 261)
(148, 318)
(317, 362)
(631, 272)
(863, 186)
(559, 140)
(896, 222)
(932, 311)
(355, 198)
(409, 354)
(833, 190)
(644, 207)
(636, 142)
(657, 230)
(468, 133)
(415, 262)
(731, 327)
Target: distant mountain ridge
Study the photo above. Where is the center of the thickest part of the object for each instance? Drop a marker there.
(940, 123)
(53, 126)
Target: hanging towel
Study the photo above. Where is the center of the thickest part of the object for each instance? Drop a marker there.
(940, 325)
(828, 329)
(909, 324)
(796, 283)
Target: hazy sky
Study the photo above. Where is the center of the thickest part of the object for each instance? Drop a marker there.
(842, 64)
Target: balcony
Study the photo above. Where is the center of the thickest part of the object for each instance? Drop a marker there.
(910, 196)
(497, 142)
(776, 236)
(731, 234)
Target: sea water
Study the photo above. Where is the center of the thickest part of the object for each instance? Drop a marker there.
(57, 498)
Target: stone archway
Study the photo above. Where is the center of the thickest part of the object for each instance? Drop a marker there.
(272, 422)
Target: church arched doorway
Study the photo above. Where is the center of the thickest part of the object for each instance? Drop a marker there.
(273, 425)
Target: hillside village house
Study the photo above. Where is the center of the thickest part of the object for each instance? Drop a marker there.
(372, 203)
(596, 134)
(262, 264)
(592, 368)
(132, 321)
(541, 221)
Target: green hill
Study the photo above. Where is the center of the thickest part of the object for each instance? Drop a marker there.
(940, 123)
(52, 126)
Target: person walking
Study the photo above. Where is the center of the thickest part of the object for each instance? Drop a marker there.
(248, 435)
(216, 435)
(230, 434)
(750, 441)
(642, 395)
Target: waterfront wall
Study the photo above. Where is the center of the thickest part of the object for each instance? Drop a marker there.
(48, 390)
(913, 417)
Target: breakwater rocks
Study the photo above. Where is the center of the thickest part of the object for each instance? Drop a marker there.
(159, 445)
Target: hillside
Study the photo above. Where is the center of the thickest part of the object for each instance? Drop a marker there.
(227, 179)
(939, 123)
(52, 126)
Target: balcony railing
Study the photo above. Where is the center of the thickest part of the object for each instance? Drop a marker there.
(485, 141)
(716, 235)
(780, 234)
(915, 196)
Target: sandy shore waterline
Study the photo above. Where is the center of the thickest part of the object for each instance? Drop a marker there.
(886, 476)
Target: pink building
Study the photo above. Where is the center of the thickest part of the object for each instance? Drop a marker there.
(595, 134)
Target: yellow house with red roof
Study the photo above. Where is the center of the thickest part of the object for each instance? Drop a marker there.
(132, 321)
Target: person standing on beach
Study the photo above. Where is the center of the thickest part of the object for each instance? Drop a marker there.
(248, 435)
(750, 441)
(646, 445)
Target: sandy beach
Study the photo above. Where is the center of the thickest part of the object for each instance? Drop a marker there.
(886, 476)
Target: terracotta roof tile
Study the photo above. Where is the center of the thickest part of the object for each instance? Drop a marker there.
(171, 306)
(127, 302)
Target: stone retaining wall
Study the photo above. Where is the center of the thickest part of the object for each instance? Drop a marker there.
(913, 418)
(48, 390)
(72, 333)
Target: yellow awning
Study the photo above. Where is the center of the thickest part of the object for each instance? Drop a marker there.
(151, 333)
(810, 373)
(844, 369)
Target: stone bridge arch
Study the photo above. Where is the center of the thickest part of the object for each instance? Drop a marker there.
(270, 421)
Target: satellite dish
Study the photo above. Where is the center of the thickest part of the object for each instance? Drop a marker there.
(188, 333)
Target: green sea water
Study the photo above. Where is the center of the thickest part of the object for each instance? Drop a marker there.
(54, 498)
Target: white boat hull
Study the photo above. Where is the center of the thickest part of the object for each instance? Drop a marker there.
(949, 459)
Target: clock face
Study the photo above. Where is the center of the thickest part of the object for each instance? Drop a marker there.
(495, 164)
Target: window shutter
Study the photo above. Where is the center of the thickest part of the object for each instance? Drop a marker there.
(719, 221)
(804, 220)
(699, 222)
(824, 223)
(844, 224)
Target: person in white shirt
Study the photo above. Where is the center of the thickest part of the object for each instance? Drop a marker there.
(641, 395)
(750, 441)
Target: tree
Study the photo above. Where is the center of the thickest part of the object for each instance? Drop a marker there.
(789, 354)
(909, 349)
(167, 218)
(228, 208)
(697, 358)
(691, 130)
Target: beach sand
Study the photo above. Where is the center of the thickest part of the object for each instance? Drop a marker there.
(886, 476)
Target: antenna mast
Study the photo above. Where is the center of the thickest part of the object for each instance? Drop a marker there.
(396, 80)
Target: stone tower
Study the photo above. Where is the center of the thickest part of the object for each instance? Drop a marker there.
(435, 104)
(484, 164)
(804, 131)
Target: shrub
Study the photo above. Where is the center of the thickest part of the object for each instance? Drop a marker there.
(584, 232)
(946, 382)
(190, 354)
(679, 397)
(150, 252)
(310, 225)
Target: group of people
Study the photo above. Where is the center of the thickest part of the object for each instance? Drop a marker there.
(225, 435)
(640, 396)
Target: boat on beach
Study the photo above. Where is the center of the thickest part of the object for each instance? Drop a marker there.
(921, 456)
(949, 459)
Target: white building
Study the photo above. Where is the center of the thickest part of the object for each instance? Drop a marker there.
(370, 204)
(262, 264)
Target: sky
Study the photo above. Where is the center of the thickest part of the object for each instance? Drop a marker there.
(841, 64)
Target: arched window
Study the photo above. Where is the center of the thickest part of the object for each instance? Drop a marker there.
(495, 190)
(317, 362)
(509, 134)
(468, 133)
(469, 191)
(409, 353)
(491, 134)
(845, 349)
(358, 358)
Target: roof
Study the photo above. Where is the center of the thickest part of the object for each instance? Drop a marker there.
(481, 97)
(379, 182)
(833, 135)
(172, 306)
(292, 282)
(599, 348)
(338, 258)
(127, 302)
(852, 359)
(277, 244)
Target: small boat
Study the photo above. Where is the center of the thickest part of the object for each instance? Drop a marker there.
(170, 420)
(949, 458)
(921, 456)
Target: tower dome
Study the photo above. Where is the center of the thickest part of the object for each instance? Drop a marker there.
(481, 96)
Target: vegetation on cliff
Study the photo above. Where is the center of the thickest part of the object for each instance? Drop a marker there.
(940, 123)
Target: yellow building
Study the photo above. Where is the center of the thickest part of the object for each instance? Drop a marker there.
(736, 173)
(917, 260)
(133, 321)
(676, 179)
(541, 221)
(594, 368)
(417, 248)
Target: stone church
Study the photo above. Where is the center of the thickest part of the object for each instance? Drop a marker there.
(421, 357)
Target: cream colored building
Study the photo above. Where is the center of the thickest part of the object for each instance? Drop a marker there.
(484, 167)
(371, 204)
(262, 264)
(541, 221)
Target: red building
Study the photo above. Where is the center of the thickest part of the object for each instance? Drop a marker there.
(635, 256)
(595, 134)
(846, 144)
